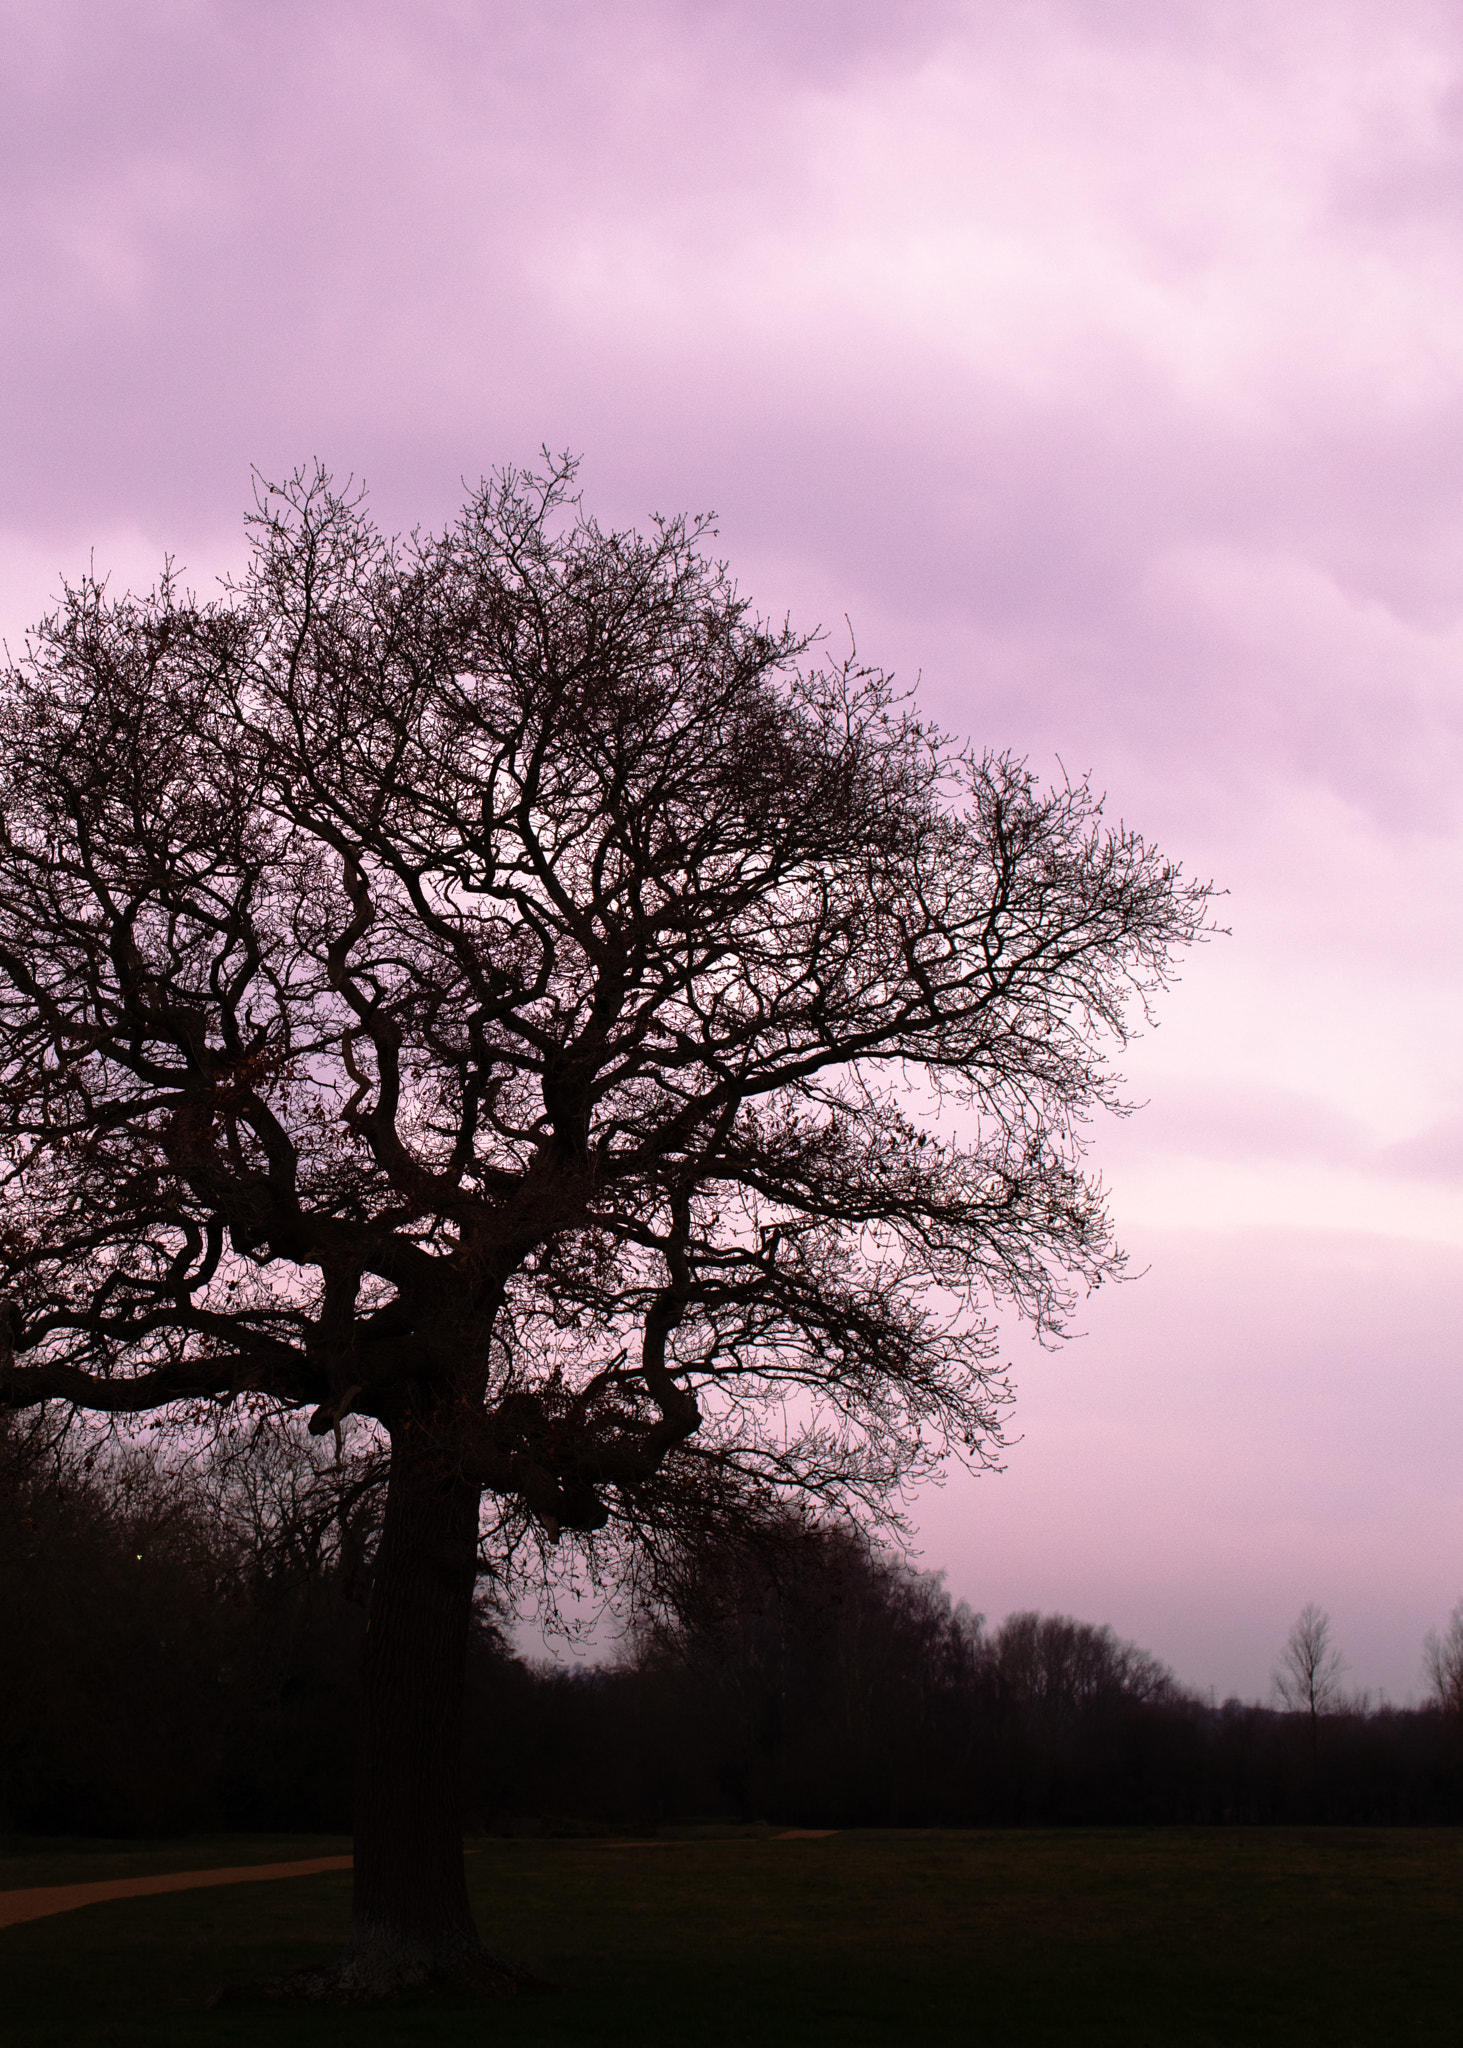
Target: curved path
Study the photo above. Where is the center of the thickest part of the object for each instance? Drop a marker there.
(62, 1898)
(45, 1899)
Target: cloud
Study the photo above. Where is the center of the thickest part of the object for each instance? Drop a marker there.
(1098, 357)
(1436, 1153)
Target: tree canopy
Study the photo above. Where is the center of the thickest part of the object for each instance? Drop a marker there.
(510, 917)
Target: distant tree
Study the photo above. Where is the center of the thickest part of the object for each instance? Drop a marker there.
(812, 1670)
(1059, 1667)
(496, 986)
(1308, 1678)
(1442, 1659)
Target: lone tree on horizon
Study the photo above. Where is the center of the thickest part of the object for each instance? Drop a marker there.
(1307, 1679)
(495, 985)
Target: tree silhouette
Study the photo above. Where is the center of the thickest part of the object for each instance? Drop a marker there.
(495, 985)
(1442, 1658)
(1308, 1678)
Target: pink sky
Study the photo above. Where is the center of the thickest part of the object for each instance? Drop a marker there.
(1104, 361)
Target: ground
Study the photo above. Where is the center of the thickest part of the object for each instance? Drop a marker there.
(1168, 1937)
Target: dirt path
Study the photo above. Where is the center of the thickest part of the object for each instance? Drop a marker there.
(44, 1899)
(62, 1898)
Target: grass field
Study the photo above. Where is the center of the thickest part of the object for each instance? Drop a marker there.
(1164, 1937)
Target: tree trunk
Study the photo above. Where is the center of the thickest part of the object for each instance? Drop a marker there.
(410, 1919)
(411, 1923)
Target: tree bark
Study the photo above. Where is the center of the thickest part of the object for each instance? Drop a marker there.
(411, 1921)
(410, 1918)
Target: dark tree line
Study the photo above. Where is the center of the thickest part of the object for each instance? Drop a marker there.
(182, 1639)
(182, 1642)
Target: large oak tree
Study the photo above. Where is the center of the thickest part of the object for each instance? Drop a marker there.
(497, 985)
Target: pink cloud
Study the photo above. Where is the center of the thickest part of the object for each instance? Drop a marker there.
(1436, 1152)
(1099, 357)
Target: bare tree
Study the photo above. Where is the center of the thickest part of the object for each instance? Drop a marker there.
(496, 985)
(1053, 1666)
(1308, 1678)
(1442, 1660)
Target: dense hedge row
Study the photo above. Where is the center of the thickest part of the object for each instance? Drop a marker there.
(181, 1642)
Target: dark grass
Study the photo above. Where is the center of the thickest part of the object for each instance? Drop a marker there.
(1169, 1937)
